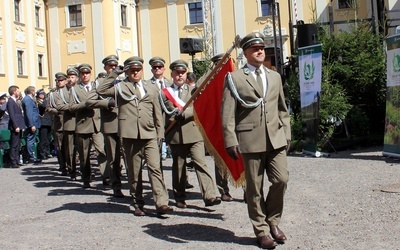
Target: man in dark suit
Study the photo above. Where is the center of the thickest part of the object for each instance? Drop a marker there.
(256, 123)
(141, 128)
(16, 125)
(46, 120)
(109, 126)
(32, 122)
(185, 138)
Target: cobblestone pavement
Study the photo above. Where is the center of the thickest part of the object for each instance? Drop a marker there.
(349, 200)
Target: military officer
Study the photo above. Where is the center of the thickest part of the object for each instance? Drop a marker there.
(58, 123)
(87, 126)
(185, 138)
(109, 126)
(256, 124)
(158, 68)
(62, 105)
(140, 126)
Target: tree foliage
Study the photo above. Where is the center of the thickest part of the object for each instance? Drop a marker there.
(353, 81)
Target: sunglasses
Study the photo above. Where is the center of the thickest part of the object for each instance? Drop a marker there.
(60, 80)
(180, 72)
(157, 67)
(112, 65)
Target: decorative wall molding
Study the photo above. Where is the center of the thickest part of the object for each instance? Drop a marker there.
(40, 40)
(170, 2)
(77, 46)
(75, 32)
(73, 2)
(52, 3)
(38, 3)
(144, 3)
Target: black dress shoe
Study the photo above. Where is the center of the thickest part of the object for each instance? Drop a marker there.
(277, 234)
(265, 242)
(213, 202)
(86, 185)
(118, 194)
(188, 185)
(73, 178)
(106, 182)
(21, 164)
(14, 166)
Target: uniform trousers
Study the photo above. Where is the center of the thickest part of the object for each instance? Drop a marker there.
(58, 141)
(70, 151)
(221, 178)
(134, 149)
(264, 212)
(113, 153)
(85, 142)
(179, 153)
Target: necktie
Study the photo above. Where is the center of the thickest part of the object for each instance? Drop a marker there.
(161, 84)
(136, 84)
(179, 92)
(259, 79)
(87, 88)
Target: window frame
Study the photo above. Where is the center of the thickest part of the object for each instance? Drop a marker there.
(75, 13)
(40, 65)
(343, 4)
(124, 15)
(269, 4)
(37, 16)
(196, 9)
(17, 11)
(20, 61)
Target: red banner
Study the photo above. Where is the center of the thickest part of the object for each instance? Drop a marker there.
(207, 108)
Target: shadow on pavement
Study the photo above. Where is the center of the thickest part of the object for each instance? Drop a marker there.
(92, 208)
(184, 233)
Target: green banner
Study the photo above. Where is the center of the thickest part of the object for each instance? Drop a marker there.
(310, 68)
(391, 145)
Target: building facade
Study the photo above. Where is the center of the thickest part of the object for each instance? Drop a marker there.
(41, 37)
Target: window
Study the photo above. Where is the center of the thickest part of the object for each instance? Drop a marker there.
(344, 4)
(40, 64)
(75, 15)
(123, 16)
(266, 7)
(17, 16)
(37, 16)
(20, 56)
(195, 13)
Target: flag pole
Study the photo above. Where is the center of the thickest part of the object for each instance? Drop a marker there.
(209, 77)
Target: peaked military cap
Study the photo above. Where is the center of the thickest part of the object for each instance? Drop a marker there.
(60, 75)
(84, 67)
(110, 58)
(254, 38)
(178, 64)
(40, 92)
(157, 61)
(72, 71)
(217, 58)
(133, 61)
(3, 95)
